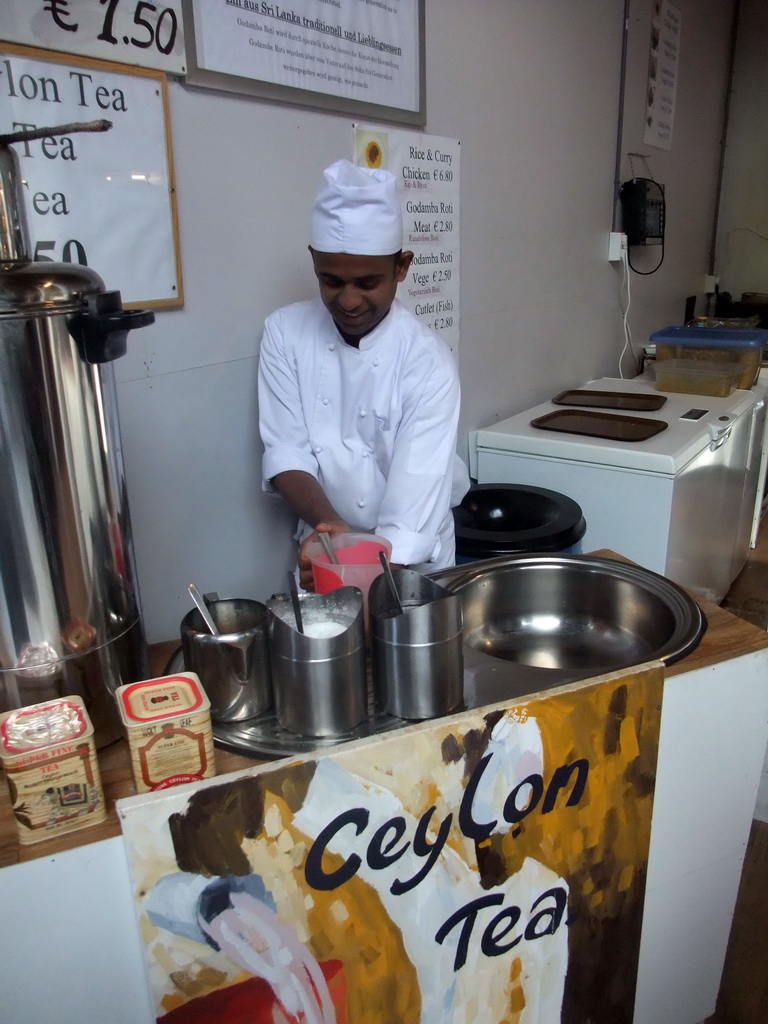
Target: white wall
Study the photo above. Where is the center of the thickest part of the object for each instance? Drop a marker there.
(742, 246)
(531, 88)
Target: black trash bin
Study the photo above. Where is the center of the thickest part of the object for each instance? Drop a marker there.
(510, 519)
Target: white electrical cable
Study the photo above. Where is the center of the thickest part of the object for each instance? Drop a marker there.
(625, 312)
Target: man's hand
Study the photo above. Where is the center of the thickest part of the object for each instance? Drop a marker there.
(310, 503)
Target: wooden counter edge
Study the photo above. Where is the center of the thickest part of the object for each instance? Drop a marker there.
(726, 636)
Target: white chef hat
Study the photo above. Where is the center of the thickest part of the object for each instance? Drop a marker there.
(357, 211)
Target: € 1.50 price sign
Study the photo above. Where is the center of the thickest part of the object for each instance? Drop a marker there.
(133, 32)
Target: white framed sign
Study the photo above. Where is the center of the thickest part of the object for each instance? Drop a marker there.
(344, 55)
(132, 32)
(106, 200)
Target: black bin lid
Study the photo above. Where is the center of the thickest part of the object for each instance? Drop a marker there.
(503, 519)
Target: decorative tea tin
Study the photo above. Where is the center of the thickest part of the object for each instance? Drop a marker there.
(168, 723)
(49, 757)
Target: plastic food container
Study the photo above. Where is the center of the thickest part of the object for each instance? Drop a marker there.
(693, 377)
(730, 322)
(358, 555)
(713, 346)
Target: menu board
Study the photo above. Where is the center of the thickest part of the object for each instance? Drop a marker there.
(427, 171)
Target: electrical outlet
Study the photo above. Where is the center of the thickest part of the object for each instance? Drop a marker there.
(710, 284)
(617, 246)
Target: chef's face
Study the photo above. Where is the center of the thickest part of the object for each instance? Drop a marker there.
(358, 290)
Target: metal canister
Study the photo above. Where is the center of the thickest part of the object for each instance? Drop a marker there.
(168, 725)
(417, 659)
(69, 608)
(318, 671)
(49, 757)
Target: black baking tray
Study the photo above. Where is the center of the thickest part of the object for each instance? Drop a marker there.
(635, 401)
(607, 425)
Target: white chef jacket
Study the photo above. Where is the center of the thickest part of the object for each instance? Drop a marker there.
(375, 425)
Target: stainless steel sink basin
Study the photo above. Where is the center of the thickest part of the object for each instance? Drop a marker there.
(573, 615)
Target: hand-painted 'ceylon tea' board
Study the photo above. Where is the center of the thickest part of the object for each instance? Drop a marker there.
(488, 866)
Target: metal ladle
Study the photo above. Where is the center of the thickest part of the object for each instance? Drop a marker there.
(202, 607)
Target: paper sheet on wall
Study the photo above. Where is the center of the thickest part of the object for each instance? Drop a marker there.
(427, 172)
(663, 62)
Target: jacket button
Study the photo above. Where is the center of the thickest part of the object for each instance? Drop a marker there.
(361, 503)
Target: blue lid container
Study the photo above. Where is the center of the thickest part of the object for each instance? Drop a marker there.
(715, 345)
(711, 337)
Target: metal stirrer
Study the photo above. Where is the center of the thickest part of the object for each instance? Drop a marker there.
(202, 607)
(294, 591)
(390, 580)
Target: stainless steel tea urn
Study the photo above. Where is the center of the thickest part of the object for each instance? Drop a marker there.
(69, 608)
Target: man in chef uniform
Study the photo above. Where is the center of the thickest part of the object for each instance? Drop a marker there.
(358, 399)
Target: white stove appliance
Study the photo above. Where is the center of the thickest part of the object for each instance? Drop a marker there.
(680, 503)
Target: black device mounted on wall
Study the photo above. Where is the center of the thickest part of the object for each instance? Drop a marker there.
(643, 211)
